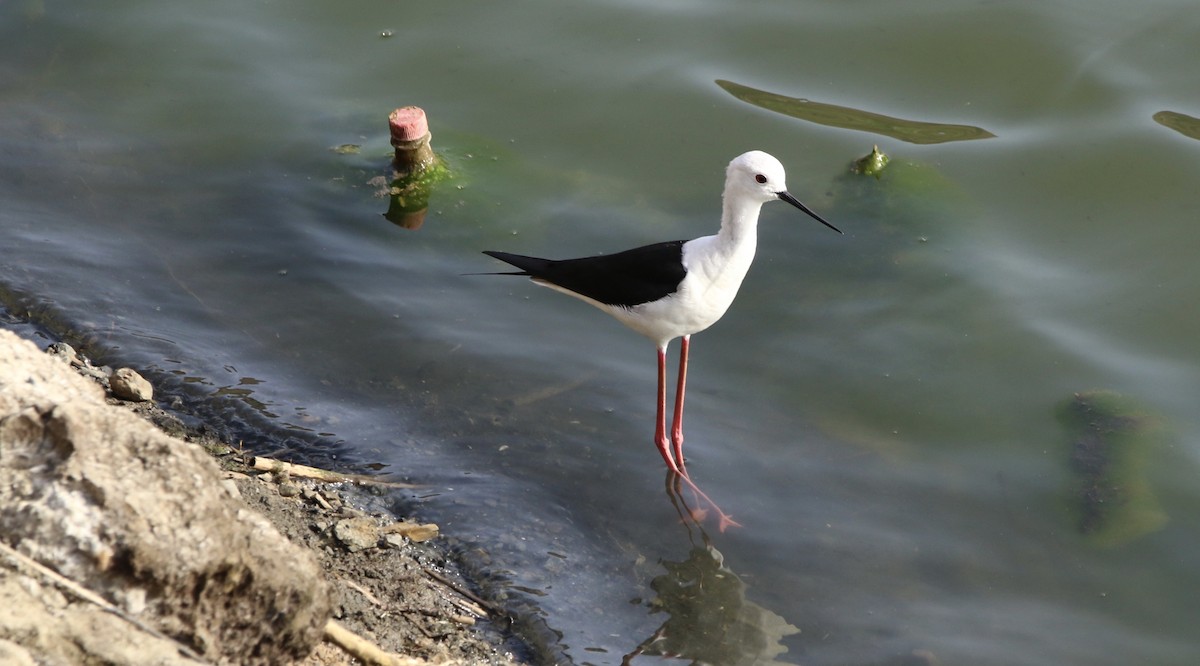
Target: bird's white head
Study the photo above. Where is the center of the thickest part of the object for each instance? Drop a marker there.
(755, 175)
(755, 178)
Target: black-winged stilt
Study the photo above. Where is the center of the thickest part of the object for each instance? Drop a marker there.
(674, 289)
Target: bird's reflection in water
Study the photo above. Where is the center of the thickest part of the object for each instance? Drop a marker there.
(709, 619)
(697, 512)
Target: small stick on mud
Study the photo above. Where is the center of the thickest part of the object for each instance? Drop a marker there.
(361, 590)
(412, 531)
(487, 608)
(304, 471)
(364, 650)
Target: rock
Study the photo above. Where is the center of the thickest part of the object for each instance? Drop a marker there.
(63, 352)
(141, 520)
(129, 385)
(14, 655)
(356, 534)
(39, 620)
(85, 367)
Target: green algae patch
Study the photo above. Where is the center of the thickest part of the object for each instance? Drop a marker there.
(904, 201)
(415, 187)
(1110, 442)
(871, 164)
(408, 193)
(904, 221)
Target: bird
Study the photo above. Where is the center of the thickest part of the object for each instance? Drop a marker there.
(674, 289)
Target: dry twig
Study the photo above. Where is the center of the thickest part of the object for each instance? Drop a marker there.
(263, 464)
(364, 650)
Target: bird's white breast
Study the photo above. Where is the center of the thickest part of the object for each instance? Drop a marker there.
(715, 270)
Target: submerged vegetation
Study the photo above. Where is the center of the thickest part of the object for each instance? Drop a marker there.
(1111, 439)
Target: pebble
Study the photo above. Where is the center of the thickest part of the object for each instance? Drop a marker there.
(135, 600)
(64, 352)
(356, 533)
(67, 354)
(127, 384)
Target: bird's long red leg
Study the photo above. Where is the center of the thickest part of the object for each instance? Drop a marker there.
(677, 423)
(660, 427)
(724, 520)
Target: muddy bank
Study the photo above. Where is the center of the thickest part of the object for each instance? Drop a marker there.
(123, 541)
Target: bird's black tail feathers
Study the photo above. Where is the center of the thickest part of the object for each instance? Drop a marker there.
(504, 256)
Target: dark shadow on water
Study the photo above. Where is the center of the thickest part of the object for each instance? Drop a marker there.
(709, 619)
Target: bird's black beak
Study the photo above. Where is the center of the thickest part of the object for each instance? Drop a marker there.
(796, 202)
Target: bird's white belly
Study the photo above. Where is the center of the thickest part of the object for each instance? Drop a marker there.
(703, 297)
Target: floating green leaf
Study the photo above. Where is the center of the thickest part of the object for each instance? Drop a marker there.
(912, 131)
(1184, 124)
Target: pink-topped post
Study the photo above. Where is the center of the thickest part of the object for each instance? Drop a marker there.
(410, 138)
(415, 167)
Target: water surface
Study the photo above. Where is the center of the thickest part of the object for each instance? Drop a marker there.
(877, 410)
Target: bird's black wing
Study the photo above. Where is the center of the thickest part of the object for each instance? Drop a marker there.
(625, 279)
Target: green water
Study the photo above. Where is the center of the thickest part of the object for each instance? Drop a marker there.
(879, 410)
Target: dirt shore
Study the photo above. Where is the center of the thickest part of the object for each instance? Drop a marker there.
(405, 596)
(389, 582)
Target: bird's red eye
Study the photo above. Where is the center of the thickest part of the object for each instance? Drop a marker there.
(760, 178)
